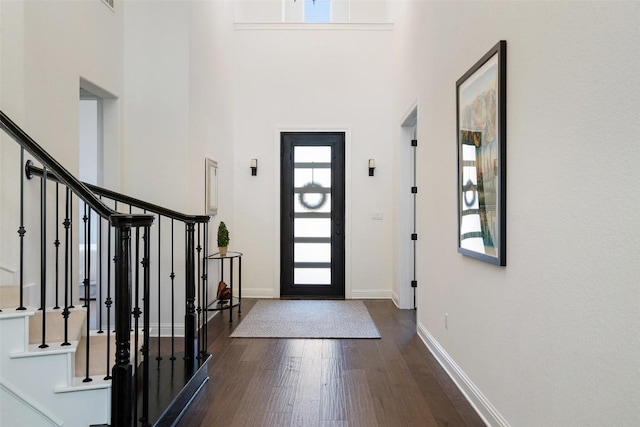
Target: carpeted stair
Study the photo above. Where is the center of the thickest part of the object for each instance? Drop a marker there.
(76, 334)
(9, 296)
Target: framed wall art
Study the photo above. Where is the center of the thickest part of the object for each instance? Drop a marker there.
(211, 186)
(481, 133)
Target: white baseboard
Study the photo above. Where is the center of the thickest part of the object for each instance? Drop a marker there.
(360, 294)
(395, 298)
(480, 403)
(257, 293)
(371, 294)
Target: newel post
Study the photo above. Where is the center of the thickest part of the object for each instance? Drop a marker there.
(190, 317)
(122, 378)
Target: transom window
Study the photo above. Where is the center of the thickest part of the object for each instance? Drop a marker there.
(317, 11)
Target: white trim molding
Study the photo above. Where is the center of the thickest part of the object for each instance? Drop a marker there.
(371, 294)
(257, 293)
(301, 26)
(480, 403)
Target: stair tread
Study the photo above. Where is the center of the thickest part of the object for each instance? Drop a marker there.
(54, 348)
(78, 384)
(8, 313)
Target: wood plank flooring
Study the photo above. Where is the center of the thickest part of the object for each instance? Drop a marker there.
(392, 381)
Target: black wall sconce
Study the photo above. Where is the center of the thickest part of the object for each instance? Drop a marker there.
(254, 167)
(372, 166)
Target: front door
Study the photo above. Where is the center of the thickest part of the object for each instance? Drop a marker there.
(312, 214)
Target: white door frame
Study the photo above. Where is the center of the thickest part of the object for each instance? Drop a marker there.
(347, 196)
(402, 292)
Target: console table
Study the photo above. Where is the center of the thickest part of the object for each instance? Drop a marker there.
(233, 301)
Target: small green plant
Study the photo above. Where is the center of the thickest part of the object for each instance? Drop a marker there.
(223, 235)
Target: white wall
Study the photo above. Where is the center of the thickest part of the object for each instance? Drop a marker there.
(45, 49)
(317, 79)
(156, 56)
(211, 106)
(553, 338)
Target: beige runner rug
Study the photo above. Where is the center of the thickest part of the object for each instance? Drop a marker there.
(307, 319)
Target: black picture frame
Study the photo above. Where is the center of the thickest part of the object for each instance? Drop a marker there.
(481, 125)
(210, 187)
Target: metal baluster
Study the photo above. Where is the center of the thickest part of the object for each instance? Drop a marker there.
(136, 317)
(43, 255)
(71, 284)
(108, 301)
(85, 280)
(146, 324)
(67, 256)
(87, 288)
(190, 338)
(21, 232)
(198, 296)
(99, 276)
(173, 300)
(230, 289)
(56, 243)
(159, 357)
(205, 283)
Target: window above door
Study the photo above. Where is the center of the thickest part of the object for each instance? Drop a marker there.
(315, 11)
(311, 11)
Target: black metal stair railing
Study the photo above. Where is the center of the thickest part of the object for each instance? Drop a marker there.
(124, 297)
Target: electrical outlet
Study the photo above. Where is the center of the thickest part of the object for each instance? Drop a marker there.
(377, 216)
(446, 321)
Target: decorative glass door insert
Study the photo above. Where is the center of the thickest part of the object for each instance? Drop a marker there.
(313, 214)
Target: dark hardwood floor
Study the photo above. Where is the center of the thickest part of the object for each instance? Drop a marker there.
(392, 381)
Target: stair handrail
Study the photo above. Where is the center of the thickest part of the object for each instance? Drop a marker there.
(34, 170)
(62, 174)
(122, 379)
(122, 382)
(190, 221)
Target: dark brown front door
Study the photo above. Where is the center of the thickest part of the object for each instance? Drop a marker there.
(312, 214)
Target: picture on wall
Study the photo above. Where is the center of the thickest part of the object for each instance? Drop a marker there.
(481, 133)
(211, 186)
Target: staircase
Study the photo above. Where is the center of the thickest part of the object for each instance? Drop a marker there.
(44, 386)
(129, 348)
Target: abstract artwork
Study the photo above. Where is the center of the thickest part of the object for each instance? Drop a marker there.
(481, 134)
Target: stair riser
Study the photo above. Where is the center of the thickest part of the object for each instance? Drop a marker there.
(9, 297)
(55, 325)
(39, 376)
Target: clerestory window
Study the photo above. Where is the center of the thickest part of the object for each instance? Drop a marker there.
(317, 11)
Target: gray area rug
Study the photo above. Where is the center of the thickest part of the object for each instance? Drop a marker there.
(307, 319)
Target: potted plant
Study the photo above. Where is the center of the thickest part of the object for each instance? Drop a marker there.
(223, 238)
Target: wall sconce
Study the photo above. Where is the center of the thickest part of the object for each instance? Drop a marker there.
(254, 167)
(372, 166)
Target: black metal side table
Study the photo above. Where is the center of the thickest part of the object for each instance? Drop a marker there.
(233, 301)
